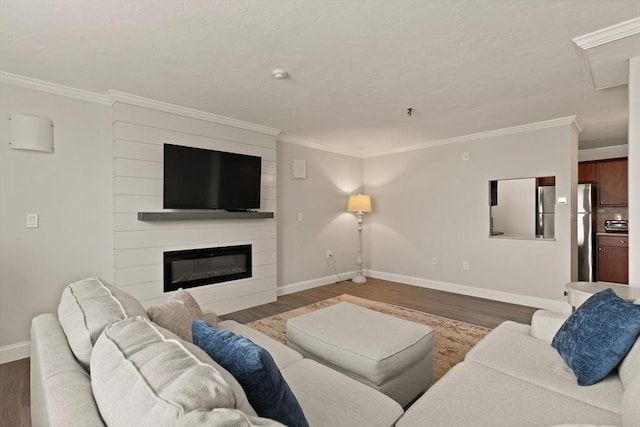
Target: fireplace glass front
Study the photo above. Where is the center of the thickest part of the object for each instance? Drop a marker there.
(199, 267)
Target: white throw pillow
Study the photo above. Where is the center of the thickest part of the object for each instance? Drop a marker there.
(144, 375)
(87, 307)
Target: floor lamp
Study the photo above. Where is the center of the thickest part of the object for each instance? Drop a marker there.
(359, 203)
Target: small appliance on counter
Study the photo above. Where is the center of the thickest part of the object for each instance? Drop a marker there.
(616, 226)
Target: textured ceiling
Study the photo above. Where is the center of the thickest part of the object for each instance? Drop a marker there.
(355, 66)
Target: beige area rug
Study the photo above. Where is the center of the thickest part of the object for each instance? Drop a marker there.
(453, 339)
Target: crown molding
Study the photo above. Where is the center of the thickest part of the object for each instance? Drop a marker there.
(598, 38)
(116, 96)
(329, 148)
(54, 88)
(602, 153)
(113, 96)
(609, 34)
(572, 121)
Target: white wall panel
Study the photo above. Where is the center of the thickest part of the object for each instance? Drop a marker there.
(209, 295)
(138, 186)
(136, 150)
(161, 238)
(155, 273)
(136, 203)
(128, 221)
(126, 113)
(239, 302)
(137, 168)
(144, 256)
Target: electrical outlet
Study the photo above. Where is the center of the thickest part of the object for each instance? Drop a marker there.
(465, 265)
(329, 254)
(434, 260)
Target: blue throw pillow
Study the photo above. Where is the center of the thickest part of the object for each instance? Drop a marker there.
(254, 368)
(597, 336)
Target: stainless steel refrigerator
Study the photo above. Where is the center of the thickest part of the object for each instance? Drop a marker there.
(545, 211)
(586, 233)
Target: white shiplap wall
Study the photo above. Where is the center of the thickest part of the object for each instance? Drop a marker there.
(138, 137)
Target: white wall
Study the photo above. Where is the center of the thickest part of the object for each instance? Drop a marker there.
(321, 198)
(71, 191)
(634, 171)
(139, 134)
(432, 203)
(515, 212)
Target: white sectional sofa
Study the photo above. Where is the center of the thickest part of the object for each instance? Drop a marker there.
(64, 393)
(513, 377)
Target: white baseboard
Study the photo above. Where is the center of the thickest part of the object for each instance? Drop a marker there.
(9, 353)
(314, 283)
(526, 300)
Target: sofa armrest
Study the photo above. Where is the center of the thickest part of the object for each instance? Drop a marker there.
(211, 318)
(545, 324)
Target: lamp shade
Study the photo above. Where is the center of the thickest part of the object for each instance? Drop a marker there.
(359, 203)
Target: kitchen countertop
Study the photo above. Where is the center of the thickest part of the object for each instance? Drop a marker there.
(602, 233)
(579, 292)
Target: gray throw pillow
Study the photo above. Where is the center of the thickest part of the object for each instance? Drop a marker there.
(177, 313)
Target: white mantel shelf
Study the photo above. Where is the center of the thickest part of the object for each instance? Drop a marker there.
(199, 215)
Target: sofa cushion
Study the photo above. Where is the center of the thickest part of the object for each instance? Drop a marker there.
(177, 313)
(255, 370)
(511, 349)
(596, 337)
(60, 387)
(87, 307)
(630, 404)
(282, 355)
(144, 375)
(330, 398)
(475, 395)
(629, 368)
(546, 323)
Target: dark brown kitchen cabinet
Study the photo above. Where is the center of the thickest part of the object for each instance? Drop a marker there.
(613, 258)
(547, 181)
(611, 178)
(587, 172)
(612, 182)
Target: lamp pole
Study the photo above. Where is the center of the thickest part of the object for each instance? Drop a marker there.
(359, 278)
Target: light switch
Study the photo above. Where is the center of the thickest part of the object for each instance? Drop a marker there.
(32, 220)
(562, 200)
(299, 216)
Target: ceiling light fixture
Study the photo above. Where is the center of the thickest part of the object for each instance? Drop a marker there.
(280, 74)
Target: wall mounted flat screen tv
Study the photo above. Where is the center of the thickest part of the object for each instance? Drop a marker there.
(195, 178)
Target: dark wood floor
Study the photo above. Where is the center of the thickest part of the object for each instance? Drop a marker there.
(14, 394)
(14, 376)
(478, 311)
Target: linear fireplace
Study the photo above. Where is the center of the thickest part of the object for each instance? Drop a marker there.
(199, 267)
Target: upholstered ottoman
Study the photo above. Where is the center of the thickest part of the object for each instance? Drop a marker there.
(392, 355)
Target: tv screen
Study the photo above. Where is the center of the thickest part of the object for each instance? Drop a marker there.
(195, 178)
